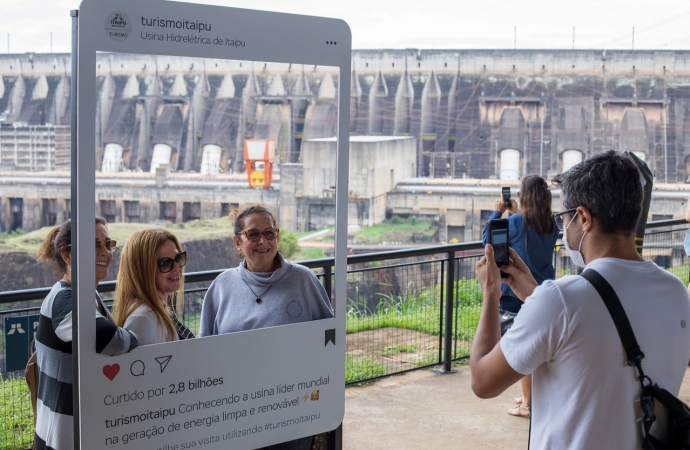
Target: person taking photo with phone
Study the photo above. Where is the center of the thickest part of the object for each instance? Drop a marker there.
(532, 235)
(585, 394)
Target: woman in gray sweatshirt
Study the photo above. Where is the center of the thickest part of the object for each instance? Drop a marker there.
(265, 290)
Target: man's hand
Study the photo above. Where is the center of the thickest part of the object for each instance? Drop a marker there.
(491, 373)
(488, 275)
(520, 278)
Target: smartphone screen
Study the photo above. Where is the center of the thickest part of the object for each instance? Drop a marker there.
(500, 245)
(506, 196)
(498, 238)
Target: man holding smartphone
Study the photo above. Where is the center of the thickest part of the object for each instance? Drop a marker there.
(532, 235)
(585, 394)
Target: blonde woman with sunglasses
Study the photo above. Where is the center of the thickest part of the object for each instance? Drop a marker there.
(150, 287)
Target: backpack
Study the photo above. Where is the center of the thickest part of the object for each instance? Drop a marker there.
(677, 432)
(31, 376)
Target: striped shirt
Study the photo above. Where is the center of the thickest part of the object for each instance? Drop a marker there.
(54, 413)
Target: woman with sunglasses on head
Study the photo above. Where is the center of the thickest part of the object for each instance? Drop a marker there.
(54, 420)
(149, 287)
(265, 290)
(532, 233)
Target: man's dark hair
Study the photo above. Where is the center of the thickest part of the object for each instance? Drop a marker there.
(609, 186)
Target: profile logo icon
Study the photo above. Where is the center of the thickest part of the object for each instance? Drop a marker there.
(118, 27)
(118, 21)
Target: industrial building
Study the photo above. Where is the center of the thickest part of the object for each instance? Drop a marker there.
(454, 120)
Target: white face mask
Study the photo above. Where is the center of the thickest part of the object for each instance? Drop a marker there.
(575, 255)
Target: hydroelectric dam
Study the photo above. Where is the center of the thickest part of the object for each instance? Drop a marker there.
(434, 133)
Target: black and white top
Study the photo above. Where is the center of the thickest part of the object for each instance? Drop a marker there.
(54, 426)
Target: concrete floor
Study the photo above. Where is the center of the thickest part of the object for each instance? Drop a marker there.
(428, 410)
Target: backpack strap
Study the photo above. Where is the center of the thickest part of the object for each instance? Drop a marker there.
(632, 349)
(620, 319)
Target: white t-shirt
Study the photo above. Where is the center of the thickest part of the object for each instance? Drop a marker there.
(585, 396)
(145, 324)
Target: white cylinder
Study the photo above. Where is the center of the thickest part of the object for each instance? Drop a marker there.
(641, 155)
(510, 165)
(571, 158)
(210, 160)
(112, 158)
(161, 156)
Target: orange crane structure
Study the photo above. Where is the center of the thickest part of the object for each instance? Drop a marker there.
(259, 155)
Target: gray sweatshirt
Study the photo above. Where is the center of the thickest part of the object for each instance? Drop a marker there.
(290, 294)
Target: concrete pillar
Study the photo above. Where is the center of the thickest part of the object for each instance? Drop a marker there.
(291, 190)
(571, 158)
(510, 164)
(179, 210)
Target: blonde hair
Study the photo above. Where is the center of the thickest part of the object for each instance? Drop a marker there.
(136, 279)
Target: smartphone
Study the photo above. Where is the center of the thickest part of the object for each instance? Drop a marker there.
(506, 196)
(498, 238)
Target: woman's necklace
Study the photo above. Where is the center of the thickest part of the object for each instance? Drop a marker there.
(258, 297)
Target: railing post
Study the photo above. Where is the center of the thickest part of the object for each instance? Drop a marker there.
(448, 332)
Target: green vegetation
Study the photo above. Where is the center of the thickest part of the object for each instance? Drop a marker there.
(682, 272)
(16, 422)
(306, 253)
(419, 312)
(357, 369)
(396, 348)
(287, 245)
(395, 229)
(20, 241)
(12, 234)
(195, 229)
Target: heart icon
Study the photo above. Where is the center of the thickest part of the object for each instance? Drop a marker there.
(110, 371)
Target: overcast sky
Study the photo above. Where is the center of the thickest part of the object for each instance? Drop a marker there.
(599, 24)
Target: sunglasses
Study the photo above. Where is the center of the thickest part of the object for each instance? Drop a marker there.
(558, 218)
(254, 235)
(165, 265)
(109, 245)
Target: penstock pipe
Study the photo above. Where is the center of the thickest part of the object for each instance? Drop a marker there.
(647, 180)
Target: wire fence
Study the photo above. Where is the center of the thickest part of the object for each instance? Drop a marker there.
(397, 313)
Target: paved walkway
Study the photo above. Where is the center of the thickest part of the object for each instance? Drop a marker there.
(428, 410)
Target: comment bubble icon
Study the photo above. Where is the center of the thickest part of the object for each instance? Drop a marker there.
(137, 368)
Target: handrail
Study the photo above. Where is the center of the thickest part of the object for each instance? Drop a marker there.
(323, 263)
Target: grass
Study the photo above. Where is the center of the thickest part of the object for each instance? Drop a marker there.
(16, 422)
(419, 312)
(306, 253)
(194, 229)
(396, 229)
(357, 369)
(19, 241)
(396, 348)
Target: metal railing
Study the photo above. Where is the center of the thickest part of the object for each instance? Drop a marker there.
(406, 309)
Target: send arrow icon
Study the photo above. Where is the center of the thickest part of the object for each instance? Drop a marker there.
(163, 361)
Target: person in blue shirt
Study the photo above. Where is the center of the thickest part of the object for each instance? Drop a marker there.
(533, 235)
